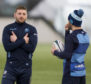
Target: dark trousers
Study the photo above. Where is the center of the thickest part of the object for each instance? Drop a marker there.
(73, 80)
(18, 75)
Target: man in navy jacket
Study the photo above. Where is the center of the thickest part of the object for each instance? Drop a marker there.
(19, 40)
(76, 45)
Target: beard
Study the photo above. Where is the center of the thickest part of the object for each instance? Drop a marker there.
(20, 20)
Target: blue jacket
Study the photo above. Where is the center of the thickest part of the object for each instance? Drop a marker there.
(19, 53)
(76, 45)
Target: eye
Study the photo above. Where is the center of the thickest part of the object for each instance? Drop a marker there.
(24, 13)
(19, 13)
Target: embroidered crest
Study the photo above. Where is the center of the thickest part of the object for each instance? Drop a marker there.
(26, 30)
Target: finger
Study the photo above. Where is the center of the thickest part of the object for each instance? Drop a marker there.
(53, 46)
(66, 26)
(52, 51)
(26, 34)
(11, 36)
(13, 33)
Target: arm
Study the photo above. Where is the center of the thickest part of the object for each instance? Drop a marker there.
(8, 45)
(67, 32)
(69, 46)
(30, 47)
(67, 53)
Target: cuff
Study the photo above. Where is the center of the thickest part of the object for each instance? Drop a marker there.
(56, 52)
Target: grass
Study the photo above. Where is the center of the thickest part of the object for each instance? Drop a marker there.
(46, 69)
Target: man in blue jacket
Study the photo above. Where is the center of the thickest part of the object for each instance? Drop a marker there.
(76, 45)
(19, 40)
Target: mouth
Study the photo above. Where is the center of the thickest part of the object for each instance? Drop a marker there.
(21, 18)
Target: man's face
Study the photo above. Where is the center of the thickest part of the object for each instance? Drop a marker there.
(20, 15)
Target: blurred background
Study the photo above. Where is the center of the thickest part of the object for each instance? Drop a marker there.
(49, 17)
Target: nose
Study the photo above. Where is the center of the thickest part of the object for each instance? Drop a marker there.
(21, 15)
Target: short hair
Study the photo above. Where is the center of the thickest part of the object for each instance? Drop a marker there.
(21, 8)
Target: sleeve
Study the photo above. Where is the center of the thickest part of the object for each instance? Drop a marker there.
(67, 32)
(69, 46)
(9, 46)
(33, 39)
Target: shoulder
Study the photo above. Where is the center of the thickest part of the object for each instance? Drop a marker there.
(74, 37)
(31, 27)
(8, 26)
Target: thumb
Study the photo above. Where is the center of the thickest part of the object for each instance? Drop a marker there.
(13, 33)
(26, 34)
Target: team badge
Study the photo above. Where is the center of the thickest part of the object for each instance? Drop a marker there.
(26, 30)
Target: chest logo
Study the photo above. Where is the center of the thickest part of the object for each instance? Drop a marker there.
(26, 30)
(12, 29)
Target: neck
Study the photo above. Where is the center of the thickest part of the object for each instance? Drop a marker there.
(75, 28)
